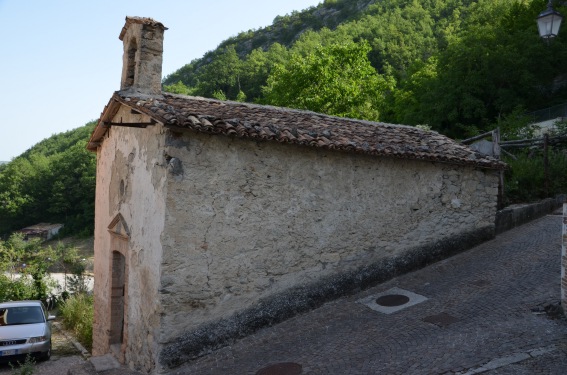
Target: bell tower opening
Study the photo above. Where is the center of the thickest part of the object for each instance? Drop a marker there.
(143, 55)
(131, 64)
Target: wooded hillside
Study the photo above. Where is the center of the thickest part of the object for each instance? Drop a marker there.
(458, 66)
(54, 181)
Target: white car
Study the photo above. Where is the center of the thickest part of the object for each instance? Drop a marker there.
(25, 328)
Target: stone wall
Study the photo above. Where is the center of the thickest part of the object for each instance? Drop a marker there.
(142, 58)
(131, 174)
(513, 216)
(256, 232)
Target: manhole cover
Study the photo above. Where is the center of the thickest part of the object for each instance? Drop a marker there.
(392, 300)
(285, 368)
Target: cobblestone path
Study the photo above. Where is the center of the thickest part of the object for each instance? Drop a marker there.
(488, 310)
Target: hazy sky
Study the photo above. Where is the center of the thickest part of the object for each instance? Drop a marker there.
(60, 61)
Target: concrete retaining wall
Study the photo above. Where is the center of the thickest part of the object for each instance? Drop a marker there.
(516, 215)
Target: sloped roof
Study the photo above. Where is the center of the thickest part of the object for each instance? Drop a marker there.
(244, 120)
(43, 227)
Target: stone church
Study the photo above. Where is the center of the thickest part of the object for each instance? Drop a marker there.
(216, 218)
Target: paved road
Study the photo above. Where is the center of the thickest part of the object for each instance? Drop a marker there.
(489, 310)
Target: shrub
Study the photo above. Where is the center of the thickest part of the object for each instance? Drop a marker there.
(15, 289)
(26, 368)
(77, 313)
(525, 180)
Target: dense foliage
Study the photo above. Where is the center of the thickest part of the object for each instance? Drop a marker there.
(336, 79)
(54, 181)
(78, 313)
(525, 179)
(459, 66)
(536, 172)
(25, 264)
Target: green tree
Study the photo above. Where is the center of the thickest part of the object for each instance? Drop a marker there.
(177, 88)
(335, 79)
(412, 98)
(222, 74)
(54, 181)
(23, 266)
(399, 33)
(257, 67)
(492, 65)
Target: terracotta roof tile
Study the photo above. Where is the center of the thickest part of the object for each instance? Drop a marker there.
(306, 128)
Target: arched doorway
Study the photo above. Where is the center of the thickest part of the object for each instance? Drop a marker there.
(118, 333)
(117, 299)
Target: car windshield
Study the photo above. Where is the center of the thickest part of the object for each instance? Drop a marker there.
(10, 316)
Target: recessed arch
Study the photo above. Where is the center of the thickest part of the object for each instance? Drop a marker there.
(118, 304)
(130, 76)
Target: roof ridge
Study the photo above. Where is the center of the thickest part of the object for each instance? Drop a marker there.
(300, 127)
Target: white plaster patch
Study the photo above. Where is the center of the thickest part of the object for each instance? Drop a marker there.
(370, 301)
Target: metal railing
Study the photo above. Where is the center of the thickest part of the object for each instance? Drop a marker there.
(550, 113)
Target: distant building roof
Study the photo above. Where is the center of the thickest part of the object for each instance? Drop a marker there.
(244, 120)
(44, 230)
(43, 226)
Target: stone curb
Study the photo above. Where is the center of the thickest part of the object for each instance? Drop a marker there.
(84, 352)
(513, 216)
(509, 360)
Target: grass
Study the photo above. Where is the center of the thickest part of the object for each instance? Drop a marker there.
(77, 314)
(26, 368)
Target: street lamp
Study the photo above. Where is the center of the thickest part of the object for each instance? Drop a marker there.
(548, 22)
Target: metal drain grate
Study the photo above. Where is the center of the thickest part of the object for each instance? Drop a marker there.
(284, 368)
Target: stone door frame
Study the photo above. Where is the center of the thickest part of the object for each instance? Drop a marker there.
(119, 252)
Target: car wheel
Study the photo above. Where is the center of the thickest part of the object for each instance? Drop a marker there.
(46, 355)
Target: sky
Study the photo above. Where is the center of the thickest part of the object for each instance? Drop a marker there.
(61, 60)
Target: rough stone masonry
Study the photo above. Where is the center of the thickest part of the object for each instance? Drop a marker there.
(216, 218)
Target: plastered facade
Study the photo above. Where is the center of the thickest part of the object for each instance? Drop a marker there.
(246, 221)
(131, 182)
(217, 225)
(201, 239)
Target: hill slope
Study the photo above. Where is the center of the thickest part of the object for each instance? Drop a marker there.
(53, 181)
(460, 66)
